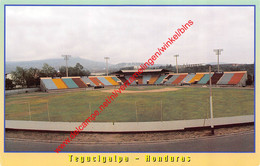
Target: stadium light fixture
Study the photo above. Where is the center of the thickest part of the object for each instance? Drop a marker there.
(66, 58)
(107, 58)
(218, 52)
(176, 62)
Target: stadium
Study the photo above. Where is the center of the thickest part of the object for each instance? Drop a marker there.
(159, 102)
(156, 95)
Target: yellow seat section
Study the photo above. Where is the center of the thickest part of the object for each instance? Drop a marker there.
(153, 79)
(111, 80)
(197, 77)
(59, 83)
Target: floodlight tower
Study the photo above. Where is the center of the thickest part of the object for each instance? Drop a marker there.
(176, 62)
(218, 52)
(66, 58)
(107, 58)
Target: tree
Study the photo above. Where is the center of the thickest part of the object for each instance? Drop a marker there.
(48, 71)
(19, 76)
(26, 77)
(77, 70)
(9, 84)
(32, 77)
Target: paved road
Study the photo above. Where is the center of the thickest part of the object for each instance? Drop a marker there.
(242, 142)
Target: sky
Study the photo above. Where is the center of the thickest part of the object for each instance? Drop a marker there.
(129, 34)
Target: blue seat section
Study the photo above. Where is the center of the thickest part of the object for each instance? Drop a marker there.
(204, 79)
(145, 78)
(188, 77)
(127, 78)
(70, 83)
(160, 79)
(115, 78)
(225, 79)
(87, 80)
(49, 84)
(104, 81)
(172, 79)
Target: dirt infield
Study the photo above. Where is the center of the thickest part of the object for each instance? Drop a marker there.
(144, 91)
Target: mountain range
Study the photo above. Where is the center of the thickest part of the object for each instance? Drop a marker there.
(92, 66)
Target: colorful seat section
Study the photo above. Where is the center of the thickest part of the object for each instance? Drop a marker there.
(196, 78)
(87, 81)
(179, 78)
(96, 81)
(133, 83)
(160, 79)
(104, 81)
(225, 79)
(140, 80)
(146, 78)
(59, 83)
(204, 79)
(79, 82)
(171, 79)
(115, 78)
(111, 80)
(69, 82)
(153, 79)
(49, 84)
(188, 78)
(236, 78)
(215, 78)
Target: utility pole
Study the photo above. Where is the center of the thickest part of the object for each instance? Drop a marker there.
(66, 58)
(210, 103)
(176, 63)
(107, 58)
(218, 52)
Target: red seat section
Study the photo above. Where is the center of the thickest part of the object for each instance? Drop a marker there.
(99, 82)
(179, 79)
(140, 80)
(236, 78)
(94, 80)
(79, 82)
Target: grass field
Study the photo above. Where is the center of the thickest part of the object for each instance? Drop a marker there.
(185, 103)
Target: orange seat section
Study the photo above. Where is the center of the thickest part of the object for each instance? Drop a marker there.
(59, 83)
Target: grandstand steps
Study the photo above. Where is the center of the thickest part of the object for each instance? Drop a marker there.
(215, 78)
(236, 78)
(232, 78)
(160, 79)
(179, 78)
(188, 78)
(196, 78)
(146, 78)
(173, 78)
(140, 80)
(225, 79)
(79, 82)
(153, 79)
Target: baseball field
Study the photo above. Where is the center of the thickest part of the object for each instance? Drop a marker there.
(150, 103)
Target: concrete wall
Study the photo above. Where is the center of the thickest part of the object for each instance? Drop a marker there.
(20, 91)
